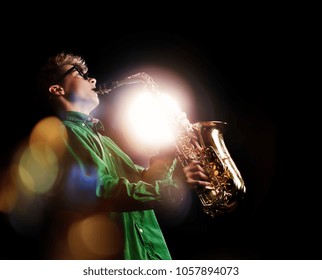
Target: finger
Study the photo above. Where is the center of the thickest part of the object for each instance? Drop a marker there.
(194, 165)
(200, 186)
(199, 176)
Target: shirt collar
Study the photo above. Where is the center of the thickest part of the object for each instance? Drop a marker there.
(84, 118)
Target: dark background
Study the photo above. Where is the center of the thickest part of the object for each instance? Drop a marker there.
(238, 73)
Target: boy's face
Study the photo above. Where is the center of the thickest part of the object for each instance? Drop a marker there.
(79, 88)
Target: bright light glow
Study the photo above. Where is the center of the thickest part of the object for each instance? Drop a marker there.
(169, 103)
(151, 117)
(144, 123)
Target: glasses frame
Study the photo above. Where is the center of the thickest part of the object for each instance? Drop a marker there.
(74, 68)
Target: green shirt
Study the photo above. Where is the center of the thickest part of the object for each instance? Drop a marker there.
(128, 191)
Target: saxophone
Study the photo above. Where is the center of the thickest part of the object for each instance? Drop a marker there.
(202, 141)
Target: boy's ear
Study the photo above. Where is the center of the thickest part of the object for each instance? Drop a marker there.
(56, 90)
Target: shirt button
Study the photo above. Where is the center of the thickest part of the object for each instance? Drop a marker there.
(140, 230)
(83, 124)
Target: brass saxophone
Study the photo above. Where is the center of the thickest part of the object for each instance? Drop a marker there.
(202, 141)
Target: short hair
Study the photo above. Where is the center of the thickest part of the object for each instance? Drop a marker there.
(52, 71)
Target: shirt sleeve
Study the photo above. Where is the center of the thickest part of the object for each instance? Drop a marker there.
(156, 187)
(135, 189)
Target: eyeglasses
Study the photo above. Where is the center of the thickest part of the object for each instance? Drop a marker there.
(75, 68)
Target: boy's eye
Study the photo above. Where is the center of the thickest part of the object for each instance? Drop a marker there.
(83, 75)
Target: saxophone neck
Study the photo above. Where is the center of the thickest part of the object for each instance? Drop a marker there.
(141, 77)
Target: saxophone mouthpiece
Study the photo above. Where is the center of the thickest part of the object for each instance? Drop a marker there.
(103, 89)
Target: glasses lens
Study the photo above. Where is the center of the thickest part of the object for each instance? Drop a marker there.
(79, 70)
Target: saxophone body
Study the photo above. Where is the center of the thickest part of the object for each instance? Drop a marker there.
(202, 141)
